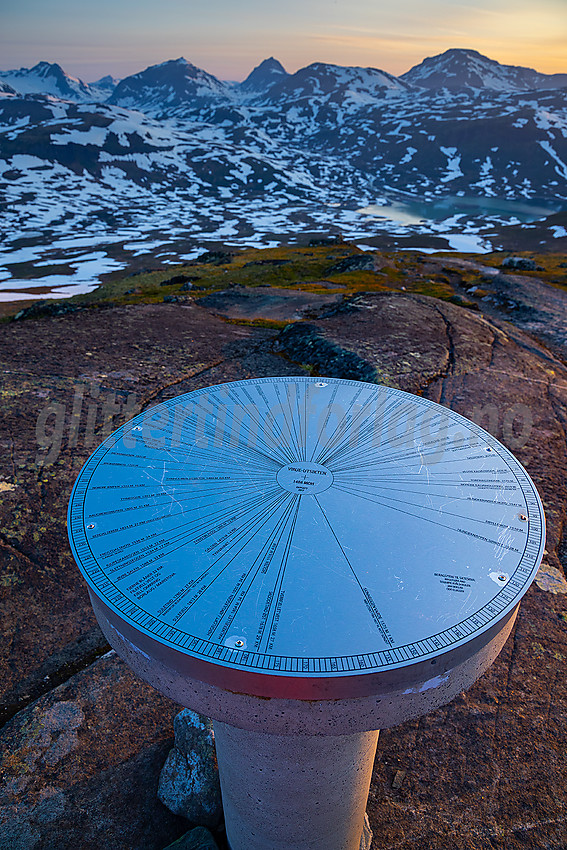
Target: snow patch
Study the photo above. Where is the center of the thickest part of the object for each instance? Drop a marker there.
(409, 155)
(560, 168)
(87, 276)
(453, 164)
(91, 136)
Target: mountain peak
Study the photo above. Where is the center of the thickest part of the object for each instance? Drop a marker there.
(180, 63)
(49, 69)
(104, 87)
(465, 69)
(44, 67)
(107, 80)
(174, 84)
(274, 64)
(463, 52)
(264, 76)
(47, 78)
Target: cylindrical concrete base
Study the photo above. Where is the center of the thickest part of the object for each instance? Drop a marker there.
(415, 691)
(294, 792)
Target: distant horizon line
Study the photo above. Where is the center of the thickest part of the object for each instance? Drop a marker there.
(84, 78)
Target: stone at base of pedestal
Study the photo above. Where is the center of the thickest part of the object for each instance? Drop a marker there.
(366, 837)
(189, 780)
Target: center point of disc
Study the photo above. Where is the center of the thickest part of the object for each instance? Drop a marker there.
(305, 479)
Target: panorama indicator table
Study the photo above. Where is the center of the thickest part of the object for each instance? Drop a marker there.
(352, 552)
(306, 527)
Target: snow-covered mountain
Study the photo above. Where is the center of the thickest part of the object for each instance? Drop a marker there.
(174, 86)
(48, 78)
(511, 146)
(318, 95)
(336, 83)
(171, 88)
(460, 70)
(263, 77)
(104, 87)
(178, 150)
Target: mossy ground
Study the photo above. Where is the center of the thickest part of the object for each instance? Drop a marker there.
(311, 268)
(304, 267)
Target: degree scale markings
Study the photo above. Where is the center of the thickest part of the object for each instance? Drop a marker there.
(306, 527)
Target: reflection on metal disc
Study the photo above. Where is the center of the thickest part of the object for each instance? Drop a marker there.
(302, 527)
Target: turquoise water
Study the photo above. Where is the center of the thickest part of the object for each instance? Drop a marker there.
(421, 211)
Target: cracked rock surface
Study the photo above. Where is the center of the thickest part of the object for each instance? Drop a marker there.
(528, 302)
(245, 302)
(84, 741)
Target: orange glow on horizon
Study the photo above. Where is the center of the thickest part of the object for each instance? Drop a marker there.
(229, 41)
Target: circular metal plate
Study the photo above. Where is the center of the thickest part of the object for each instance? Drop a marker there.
(306, 527)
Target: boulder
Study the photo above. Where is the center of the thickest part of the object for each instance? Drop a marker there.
(354, 263)
(189, 782)
(196, 839)
(520, 263)
(80, 765)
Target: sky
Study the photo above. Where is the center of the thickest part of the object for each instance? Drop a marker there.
(229, 37)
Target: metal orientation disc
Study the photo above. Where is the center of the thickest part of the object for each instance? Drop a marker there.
(306, 527)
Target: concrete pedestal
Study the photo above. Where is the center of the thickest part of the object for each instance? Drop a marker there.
(419, 690)
(294, 792)
(304, 561)
(306, 787)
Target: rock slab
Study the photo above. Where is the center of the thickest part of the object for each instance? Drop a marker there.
(80, 765)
